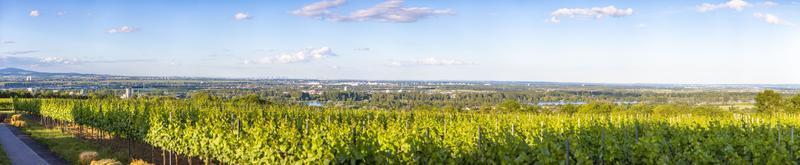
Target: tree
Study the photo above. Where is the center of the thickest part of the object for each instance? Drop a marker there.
(794, 103)
(249, 99)
(569, 109)
(510, 105)
(596, 107)
(202, 97)
(769, 101)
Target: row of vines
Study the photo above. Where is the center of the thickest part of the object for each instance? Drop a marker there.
(255, 134)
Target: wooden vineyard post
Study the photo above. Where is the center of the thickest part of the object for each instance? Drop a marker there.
(602, 145)
(636, 127)
(444, 133)
(129, 147)
(566, 155)
(163, 157)
(480, 137)
(778, 143)
(512, 129)
(791, 143)
(177, 158)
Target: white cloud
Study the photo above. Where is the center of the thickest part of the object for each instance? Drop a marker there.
(318, 9)
(122, 29)
(242, 16)
(387, 11)
(362, 49)
(61, 13)
(34, 13)
(59, 60)
(772, 19)
(36, 61)
(305, 55)
(21, 52)
(769, 4)
(431, 61)
(28, 61)
(737, 5)
(393, 11)
(595, 12)
(8, 42)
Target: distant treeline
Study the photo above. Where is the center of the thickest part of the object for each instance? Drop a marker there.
(414, 99)
(42, 94)
(500, 101)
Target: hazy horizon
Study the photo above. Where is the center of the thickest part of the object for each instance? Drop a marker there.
(663, 42)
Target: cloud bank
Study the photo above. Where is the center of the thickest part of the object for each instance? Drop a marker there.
(387, 11)
(431, 61)
(34, 13)
(737, 5)
(318, 9)
(242, 16)
(772, 19)
(27, 61)
(122, 29)
(594, 12)
(36, 61)
(305, 55)
(21, 52)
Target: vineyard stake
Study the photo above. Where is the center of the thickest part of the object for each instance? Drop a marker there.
(779, 135)
(603, 146)
(566, 161)
(636, 126)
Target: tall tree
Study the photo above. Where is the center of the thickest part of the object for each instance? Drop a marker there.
(794, 103)
(769, 101)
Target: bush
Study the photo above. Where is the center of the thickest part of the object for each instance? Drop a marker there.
(106, 162)
(87, 157)
(19, 123)
(16, 117)
(140, 162)
(16, 120)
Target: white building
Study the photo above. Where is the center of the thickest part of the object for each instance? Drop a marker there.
(128, 93)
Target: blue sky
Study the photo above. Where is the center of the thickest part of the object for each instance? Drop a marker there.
(710, 41)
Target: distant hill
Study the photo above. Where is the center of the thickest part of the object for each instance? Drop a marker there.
(17, 71)
(17, 74)
(23, 72)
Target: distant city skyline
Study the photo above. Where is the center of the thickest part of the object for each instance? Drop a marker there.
(695, 42)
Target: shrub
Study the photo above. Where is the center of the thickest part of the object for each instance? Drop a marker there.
(18, 123)
(87, 157)
(16, 117)
(106, 162)
(140, 162)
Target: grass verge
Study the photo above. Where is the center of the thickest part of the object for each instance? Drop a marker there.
(68, 146)
(3, 157)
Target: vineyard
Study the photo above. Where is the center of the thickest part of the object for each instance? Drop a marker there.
(239, 133)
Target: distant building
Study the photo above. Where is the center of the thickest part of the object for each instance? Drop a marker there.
(314, 92)
(128, 93)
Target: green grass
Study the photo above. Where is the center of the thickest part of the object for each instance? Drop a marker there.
(5, 104)
(68, 146)
(3, 157)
